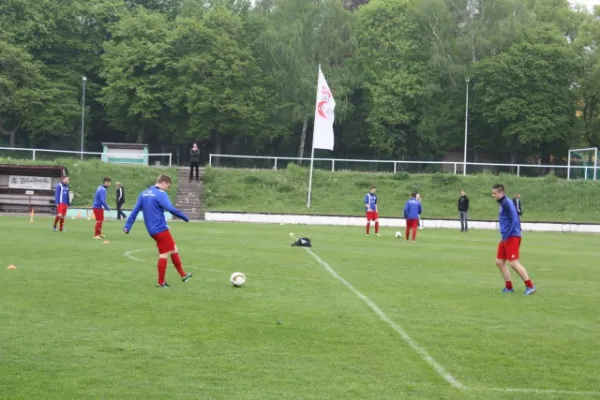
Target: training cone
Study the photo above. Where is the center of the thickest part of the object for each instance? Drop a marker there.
(11, 267)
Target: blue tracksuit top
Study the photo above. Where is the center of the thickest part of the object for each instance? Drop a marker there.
(153, 202)
(100, 198)
(509, 222)
(412, 209)
(61, 194)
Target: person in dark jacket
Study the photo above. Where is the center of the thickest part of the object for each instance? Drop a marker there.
(517, 203)
(120, 201)
(463, 211)
(194, 161)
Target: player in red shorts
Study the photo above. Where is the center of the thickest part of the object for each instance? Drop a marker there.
(62, 201)
(99, 206)
(412, 213)
(508, 248)
(371, 209)
(153, 202)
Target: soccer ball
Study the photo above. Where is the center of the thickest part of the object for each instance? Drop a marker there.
(237, 279)
(398, 234)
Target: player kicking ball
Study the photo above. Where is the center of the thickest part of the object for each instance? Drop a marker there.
(153, 202)
(371, 209)
(508, 248)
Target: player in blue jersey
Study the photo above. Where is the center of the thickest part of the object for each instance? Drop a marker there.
(412, 213)
(372, 210)
(99, 206)
(153, 202)
(62, 202)
(508, 248)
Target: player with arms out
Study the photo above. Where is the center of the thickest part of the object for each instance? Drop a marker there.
(508, 248)
(412, 213)
(99, 206)
(62, 201)
(371, 209)
(153, 202)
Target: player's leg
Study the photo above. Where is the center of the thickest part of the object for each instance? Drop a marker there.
(512, 248)
(501, 264)
(178, 265)
(162, 269)
(415, 227)
(376, 219)
(368, 227)
(63, 215)
(407, 232)
(58, 215)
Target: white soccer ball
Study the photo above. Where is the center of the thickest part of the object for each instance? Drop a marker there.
(237, 279)
(398, 234)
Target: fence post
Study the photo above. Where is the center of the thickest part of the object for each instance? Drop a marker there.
(275, 164)
(170, 159)
(394, 166)
(33, 154)
(454, 168)
(332, 165)
(210, 160)
(518, 170)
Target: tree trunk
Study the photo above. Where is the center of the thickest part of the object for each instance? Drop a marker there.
(140, 135)
(12, 134)
(218, 144)
(513, 161)
(302, 141)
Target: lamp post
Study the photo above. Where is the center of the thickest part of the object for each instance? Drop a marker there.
(467, 80)
(83, 82)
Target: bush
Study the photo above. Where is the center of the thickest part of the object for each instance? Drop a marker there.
(444, 179)
(401, 176)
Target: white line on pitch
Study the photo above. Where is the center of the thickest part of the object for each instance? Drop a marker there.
(538, 391)
(405, 336)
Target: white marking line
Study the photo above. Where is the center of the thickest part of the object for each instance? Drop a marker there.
(537, 391)
(422, 352)
(414, 345)
(128, 254)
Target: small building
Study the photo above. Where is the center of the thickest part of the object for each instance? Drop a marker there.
(125, 153)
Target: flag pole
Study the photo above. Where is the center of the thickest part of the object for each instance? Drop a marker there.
(312, 157)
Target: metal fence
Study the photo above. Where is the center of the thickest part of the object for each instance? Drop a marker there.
(154, 159)
(394, 166)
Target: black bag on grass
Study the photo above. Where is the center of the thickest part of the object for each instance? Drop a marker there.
(303, 242)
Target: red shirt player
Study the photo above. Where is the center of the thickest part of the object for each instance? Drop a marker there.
(371, 209)
(62, 201)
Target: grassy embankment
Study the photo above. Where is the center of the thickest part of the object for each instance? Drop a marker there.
(342, 193)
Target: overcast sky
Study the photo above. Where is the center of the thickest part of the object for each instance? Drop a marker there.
(588, 3)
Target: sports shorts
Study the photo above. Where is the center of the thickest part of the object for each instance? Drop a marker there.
(509, 249)
(164, 242)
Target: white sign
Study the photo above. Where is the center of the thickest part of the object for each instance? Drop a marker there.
(324, 115)
(29, 182)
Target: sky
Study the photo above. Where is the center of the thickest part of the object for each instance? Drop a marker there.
(588, 3)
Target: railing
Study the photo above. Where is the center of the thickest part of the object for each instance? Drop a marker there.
(153, 159)
(394, 166)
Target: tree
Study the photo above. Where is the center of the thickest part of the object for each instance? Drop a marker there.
(525, 94)
(134, 68)
(214, 78)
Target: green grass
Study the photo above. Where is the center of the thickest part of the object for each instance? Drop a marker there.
(86, 176)
(81, 320)
(342, 193)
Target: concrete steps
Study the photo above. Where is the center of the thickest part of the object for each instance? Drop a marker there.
(190, 195)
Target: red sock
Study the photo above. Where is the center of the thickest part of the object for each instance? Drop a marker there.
(528, 283)
(407, 232)
(508, 285)
(414, 234)
(98, 229)
(177, 262)
(162, 270)
(376, 227)
(62, 223)
(56, 221)
(368, 227)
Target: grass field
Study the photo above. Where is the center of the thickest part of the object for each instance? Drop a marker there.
(81, 319)
(342, 193)
(87, 176)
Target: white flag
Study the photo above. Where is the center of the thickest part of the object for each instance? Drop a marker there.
(324, 115)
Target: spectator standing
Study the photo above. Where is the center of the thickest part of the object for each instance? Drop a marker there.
(463, 211)
(194, 161)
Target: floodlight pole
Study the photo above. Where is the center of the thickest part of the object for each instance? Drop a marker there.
(83, 81)
(467, 80)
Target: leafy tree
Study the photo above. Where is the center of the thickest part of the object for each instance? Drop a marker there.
(525, 94)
